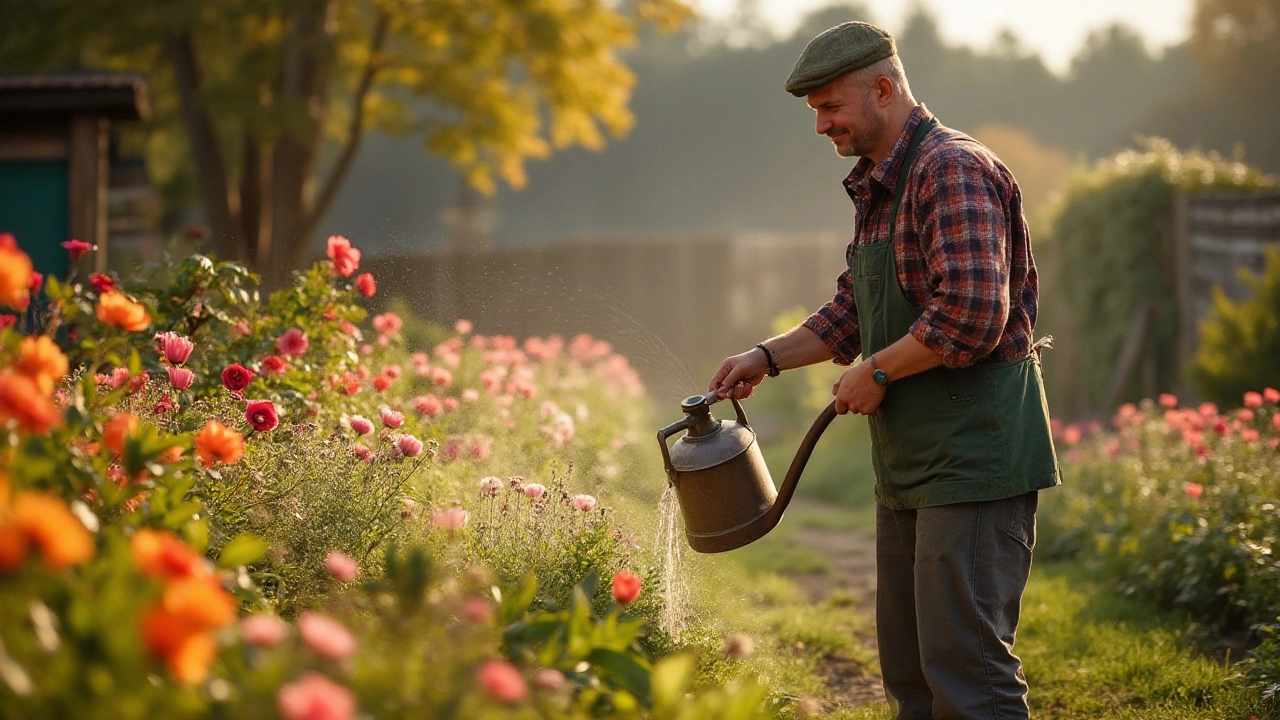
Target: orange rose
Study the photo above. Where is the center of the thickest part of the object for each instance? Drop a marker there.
(218, 443)
(46, 522)
(13, 547)
(200, 601)
(40, 359)
(117, 429)
(118, 310)
(171, 455)
(187, 648)
(15, 274)
(21, 400)
(163, 555)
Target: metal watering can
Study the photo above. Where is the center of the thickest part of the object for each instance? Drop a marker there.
(726, 495)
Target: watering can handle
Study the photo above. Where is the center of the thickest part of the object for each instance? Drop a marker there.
(712, 398)
(666, 432)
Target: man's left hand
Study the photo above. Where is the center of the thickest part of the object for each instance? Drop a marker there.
(857, 392)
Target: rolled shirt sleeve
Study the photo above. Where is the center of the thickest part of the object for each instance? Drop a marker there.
(836, 322)
(963, 233)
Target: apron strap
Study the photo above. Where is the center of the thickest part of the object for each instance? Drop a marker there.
(904, 170)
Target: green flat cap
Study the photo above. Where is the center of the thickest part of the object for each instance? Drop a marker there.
(845, 47)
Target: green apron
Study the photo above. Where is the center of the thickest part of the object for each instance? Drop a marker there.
(947, 435)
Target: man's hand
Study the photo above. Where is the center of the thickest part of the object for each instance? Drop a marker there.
(857, 392)
(739, 375)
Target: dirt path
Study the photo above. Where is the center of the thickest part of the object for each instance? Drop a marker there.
(852, 574)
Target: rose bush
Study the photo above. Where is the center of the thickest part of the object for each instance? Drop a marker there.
(197, 517)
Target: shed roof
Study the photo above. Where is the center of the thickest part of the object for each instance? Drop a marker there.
(120, 96)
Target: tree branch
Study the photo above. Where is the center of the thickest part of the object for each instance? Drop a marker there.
(204, 145)
(355, 132)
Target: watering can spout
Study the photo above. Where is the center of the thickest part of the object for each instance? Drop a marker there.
(720, 478)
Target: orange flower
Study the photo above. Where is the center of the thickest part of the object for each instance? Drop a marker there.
(117, 429)
(15, 274)
(22, 401)
(40, 359)
(163, 555)
(186, 648)
(171, 455)
(13, 547)
(118, 310)
(218, 443)
(200, 601)
(45, 522)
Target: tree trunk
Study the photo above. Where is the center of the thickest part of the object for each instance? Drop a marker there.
(214, 186)
(251, 200)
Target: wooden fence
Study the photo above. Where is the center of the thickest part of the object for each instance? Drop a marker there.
(675, 307)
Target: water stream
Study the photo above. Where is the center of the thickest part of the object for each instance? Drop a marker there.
(669, 545)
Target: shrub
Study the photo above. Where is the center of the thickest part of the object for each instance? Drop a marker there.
(1240, 341)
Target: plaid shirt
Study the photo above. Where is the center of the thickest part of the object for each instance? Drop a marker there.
(961, 247)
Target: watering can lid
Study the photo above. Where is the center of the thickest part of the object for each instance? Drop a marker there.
(689, 454)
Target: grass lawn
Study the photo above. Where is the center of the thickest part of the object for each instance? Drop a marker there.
(1091, 654)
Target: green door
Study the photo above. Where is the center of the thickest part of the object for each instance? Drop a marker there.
(33, 206)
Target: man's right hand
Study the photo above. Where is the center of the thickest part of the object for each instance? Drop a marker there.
(739, 375)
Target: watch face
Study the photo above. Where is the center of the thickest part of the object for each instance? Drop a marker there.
(880, 377)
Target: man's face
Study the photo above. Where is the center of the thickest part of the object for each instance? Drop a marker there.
(849, 116)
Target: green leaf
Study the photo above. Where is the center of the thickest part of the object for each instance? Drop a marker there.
(516, 603)
(624, 672)
(671, 678)
(244, 549)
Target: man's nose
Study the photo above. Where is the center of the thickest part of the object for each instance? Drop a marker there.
(823, 124)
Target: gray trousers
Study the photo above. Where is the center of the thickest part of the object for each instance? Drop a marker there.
(948, 597)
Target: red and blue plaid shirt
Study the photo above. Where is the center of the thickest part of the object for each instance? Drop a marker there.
(961, 247)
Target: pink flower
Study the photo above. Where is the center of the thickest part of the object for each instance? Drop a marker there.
(293, 343)
(387, 323)
(175, 348)
(236, 377)
(392, 372)
(1071, 435)
(1249, 435)
(450, 404)
(450, 519)
(626, 586)
(1245, 416)
(1253, 400)
(549, 679)
(262, 415)
(119, 377)
(1168, 400)
(362, 451)
(490, 485)
(1193, 490)
(409, 445)
(585, 503)
(77, 248)
(366, 285)
(273, 364)
(441, 376)
(428, 405)
(102, 283)
(263, 631)
(326, 637)
(470, 395)
(391, 418)
(463, 327)
(180, 378)
(534, 490)
(476, 610)
(315, 697)
(341, 567)
(361, 425)
(501, 680)
(346, 259)
(1271, 395)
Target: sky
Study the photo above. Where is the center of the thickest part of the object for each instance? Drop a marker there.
(1056, 28)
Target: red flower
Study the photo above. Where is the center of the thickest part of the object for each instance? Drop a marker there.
(294, 343)
(102, 283)
(626, 586)
(77, 248)
(501, 680)
(366, 285)
(262, 415)
(236, 377)
(346, 259)
(37, 280)
(273, 364)
(7, 320)
(380, 383)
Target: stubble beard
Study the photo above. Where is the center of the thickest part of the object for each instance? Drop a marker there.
(859, 144)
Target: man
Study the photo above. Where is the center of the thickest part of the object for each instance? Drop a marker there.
(940, 301)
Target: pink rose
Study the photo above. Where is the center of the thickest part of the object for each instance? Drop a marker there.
(263, 631)
(293, 343)
(346, 259)
(326, 637)
(501, 680)
(366, 285)
(315, 697)
(180, 378)
(341, 567)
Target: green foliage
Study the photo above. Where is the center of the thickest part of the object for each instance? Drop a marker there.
(1240, 341)
(1111, 234)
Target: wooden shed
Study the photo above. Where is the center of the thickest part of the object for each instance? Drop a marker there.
(55, 135)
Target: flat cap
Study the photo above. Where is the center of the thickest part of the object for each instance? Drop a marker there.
(845, 47)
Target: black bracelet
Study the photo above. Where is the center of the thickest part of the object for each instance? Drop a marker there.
(768, 357)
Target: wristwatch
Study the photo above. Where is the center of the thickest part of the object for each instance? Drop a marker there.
(877, 374)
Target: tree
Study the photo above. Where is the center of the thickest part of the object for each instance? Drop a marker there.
(273, 97)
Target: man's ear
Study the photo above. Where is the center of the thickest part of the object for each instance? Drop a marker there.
(885, 91)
